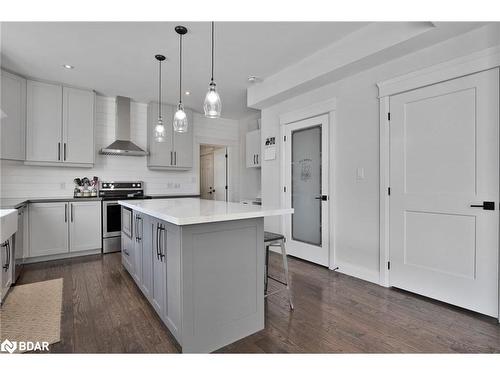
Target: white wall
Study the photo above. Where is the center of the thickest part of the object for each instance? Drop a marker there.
(19, 180)
(249, 177)
(356, 144)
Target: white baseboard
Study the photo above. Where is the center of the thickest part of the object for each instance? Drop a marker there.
(358, 272)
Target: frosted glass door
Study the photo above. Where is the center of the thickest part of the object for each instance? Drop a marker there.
(305, 176)
(306, 185)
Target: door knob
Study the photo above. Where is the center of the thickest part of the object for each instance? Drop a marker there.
(485, 206)
(322, 197)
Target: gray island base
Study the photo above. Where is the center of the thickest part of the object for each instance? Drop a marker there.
(200, 263)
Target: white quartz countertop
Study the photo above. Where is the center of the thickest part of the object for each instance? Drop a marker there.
(186, 211)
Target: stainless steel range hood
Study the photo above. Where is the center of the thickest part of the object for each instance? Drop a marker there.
(123, 145)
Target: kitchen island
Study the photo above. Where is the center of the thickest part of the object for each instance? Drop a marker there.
(200, 263)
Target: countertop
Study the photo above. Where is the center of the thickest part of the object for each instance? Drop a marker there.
(188, 211)
(18, 202)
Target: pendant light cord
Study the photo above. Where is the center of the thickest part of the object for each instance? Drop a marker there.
(159, 96)
(213, 23)
(180, 69)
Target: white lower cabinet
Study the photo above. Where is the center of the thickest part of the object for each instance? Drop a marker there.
(64, 227)
(127, 252)
(84, 226)
(159, 290)
(6, 261)
(48, 228)
(156, 258)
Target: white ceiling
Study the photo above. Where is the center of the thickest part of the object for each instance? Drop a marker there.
(117, 58)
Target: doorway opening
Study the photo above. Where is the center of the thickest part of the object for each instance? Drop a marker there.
(214, 163)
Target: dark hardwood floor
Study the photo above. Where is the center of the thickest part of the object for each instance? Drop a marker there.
(104, 312)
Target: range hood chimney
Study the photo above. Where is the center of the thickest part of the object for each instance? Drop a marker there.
(122, 144)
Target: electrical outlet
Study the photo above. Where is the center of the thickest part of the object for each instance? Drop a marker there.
(177, 186)
(62, 186)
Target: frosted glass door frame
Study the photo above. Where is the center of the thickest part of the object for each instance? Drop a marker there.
(314, 253)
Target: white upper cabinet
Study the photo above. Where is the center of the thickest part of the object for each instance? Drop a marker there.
(13, 125)
(60, 125)
(253, 157)
(78, 125)
(183, 145)
(176, 152)
(44, 122)
(160, 153)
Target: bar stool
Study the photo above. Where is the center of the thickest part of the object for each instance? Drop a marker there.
(275, 239)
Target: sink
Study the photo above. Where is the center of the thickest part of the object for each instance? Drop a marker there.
(8, 224)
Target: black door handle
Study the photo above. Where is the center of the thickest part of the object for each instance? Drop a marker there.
(485, 206)
(322, 197)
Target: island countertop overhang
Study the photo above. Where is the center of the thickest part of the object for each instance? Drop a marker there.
(188, 211)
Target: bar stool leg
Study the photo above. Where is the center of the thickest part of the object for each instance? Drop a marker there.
(285, 266)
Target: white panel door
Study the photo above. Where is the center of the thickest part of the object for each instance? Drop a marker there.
(220, 170)
(207, 176)
(444, 158)
(13, 125)
(48, 228)
(306, 182)
(44, 122)
(78, 126)
(84, 226)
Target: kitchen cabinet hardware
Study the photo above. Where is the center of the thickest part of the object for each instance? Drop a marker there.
(6, 245)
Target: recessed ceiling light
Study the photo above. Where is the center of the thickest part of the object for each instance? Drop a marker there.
(188, 93)
(253, 79)
(67, 66)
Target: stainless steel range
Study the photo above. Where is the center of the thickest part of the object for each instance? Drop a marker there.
(111, 192)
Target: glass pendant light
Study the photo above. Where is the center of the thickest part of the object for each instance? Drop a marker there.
(180, 119)
(212, 105)
(159, 131)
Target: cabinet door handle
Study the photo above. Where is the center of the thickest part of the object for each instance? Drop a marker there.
(257, 159)
(58, 150)
(136, 228)
(171, 158)
(8, 254)
(6, 244)
(162, 242)
(64, 151)
(65, 212)
(157, 241)
(175, 157)
(71, 212)
(126, 252)
(253, 159)
(139, 233)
